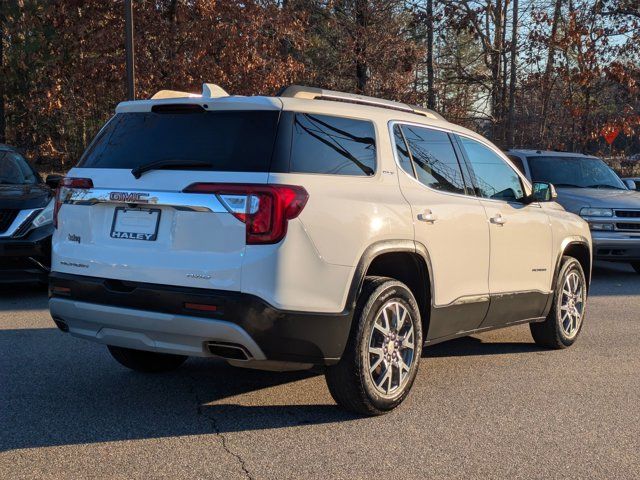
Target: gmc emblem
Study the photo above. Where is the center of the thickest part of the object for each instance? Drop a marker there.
(128, 197)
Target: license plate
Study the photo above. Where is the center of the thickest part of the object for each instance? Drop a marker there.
(135, 224)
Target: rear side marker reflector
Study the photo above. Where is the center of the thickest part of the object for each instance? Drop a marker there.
(60, 290)
(264, 209)
(201, 307)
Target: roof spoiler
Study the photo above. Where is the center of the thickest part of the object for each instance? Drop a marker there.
(313, 93)
(209, 90)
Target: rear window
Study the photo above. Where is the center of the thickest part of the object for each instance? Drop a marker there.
(230, 141)
(332, 145)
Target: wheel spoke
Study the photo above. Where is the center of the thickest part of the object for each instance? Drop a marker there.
(385, 316)
(401, 317)
(407, 341)
(376, 364)
(381, 329)
(376, 351)
(403, 368)
(386, 378)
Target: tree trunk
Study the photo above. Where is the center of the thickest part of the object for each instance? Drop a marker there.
(546, 82)
(361, 64)
(512, 79)
(496, 104)
(3, 122)
(431, 96)
(505, 71)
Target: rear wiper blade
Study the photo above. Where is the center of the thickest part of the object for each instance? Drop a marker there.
(171, 163)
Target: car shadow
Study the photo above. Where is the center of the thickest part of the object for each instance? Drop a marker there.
(59, 390)
(23, 297)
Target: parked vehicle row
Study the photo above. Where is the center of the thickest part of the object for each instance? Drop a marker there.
(588, 187)
(26, 219)
(312, 228)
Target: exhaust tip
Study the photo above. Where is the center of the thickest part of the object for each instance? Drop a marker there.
(231, 351)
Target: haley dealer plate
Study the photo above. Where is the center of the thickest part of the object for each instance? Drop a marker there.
(135, 224)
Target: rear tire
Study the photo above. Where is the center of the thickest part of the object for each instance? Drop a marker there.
(636, 266)
(146, 362)
(380, 362)
(565, 319)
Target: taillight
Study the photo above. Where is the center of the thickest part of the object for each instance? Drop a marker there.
(264, 209)
(64, 186)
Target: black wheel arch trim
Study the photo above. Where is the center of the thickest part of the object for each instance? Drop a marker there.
(566, 243)
(380, 248)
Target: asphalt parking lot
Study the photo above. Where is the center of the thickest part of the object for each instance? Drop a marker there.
(489, 406)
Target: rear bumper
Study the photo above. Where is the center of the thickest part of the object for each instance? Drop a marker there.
(26, 259)
(616, 248)
(156, 318)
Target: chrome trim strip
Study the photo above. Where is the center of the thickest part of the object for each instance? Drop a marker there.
(23, 215)
(191, 202)
(467, 299)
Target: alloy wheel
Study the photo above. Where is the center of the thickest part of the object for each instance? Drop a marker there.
(391, 350)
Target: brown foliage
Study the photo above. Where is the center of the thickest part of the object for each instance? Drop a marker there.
(62, 70)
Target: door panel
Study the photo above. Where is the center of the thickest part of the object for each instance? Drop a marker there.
(521, 247)
(521, 238)
(452, 226)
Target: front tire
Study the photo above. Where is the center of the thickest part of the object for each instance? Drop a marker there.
(565, 319)
(146, 362)
(636, 266)
(380, 361)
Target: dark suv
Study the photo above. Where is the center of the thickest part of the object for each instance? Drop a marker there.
(26, 219)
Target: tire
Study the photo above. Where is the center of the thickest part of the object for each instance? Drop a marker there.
(146, 362)
(350, 382)
(636, 266)
(563, 324)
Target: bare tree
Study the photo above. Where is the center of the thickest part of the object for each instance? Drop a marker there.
(431, 96)
(512, 76)
(546, 81)
(3, 122)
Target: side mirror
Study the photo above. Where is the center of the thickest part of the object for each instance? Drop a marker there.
(543, 192)
(631, 184)
(53, 180)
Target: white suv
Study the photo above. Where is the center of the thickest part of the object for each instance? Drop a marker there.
(310, 228)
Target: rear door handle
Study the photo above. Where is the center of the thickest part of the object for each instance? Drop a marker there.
(427, 216)
(498, 219)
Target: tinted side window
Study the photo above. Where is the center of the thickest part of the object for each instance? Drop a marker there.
(14, 170)
(403, 152)
(332, 145)
(434, 159)
(494, 178)
(517, 161)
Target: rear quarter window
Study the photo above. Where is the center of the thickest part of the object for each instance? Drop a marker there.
(332, 145)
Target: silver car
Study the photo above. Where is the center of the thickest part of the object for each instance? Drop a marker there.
(588, 187)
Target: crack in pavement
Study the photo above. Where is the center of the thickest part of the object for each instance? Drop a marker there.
(216, 429)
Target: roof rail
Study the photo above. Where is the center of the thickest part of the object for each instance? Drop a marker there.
(209, 90)
(313, 93)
